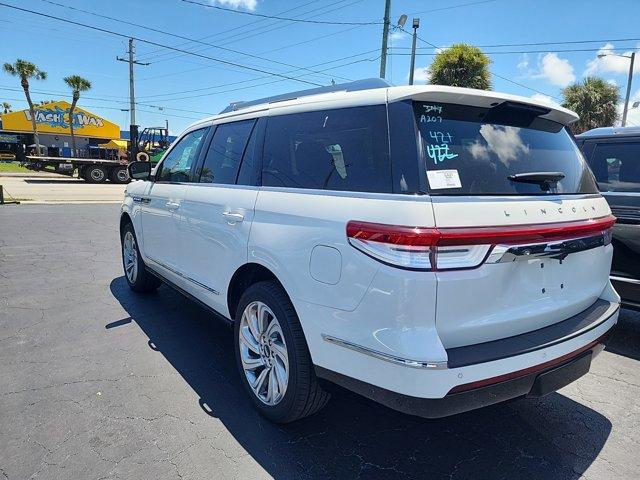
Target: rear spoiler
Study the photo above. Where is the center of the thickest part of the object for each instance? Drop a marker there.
(479, 98)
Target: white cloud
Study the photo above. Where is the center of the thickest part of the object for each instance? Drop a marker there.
(397, 35)
(550, 67)
(557, 71)
(610, 63)
(613, 82)
(523, 64)
(633, 115)
(539, 97)
(247, 4)
(420, 75)
(505, 142)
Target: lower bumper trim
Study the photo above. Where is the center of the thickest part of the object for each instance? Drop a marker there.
(543, 380)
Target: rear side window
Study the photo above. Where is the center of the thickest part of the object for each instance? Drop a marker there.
(474, 151)
(225, 152)
(177, 164)
(617, 166)
(345, 149)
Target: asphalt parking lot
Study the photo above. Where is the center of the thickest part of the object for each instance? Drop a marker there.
(97, 382)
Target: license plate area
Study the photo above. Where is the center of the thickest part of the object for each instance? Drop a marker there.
(553, 380)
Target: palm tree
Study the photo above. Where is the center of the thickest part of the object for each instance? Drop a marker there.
(595, 101)
(6, 107)
(461, 65)
(26, 70)
(77, 84)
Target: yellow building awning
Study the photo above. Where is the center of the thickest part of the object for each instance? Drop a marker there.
(114, 145)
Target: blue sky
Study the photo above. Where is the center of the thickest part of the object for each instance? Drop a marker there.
(182, 88)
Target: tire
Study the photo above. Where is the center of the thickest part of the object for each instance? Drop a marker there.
(303, 395)
(119, 175)
(95, 174)
(135, 272)
(142, 157)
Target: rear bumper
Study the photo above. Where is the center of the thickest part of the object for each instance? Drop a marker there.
(532, 364)
(532, 384)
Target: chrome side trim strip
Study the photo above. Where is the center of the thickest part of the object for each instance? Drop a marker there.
(625, 280)
(182, 275)
(405, 362)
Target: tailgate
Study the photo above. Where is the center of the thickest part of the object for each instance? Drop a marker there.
(527, 284)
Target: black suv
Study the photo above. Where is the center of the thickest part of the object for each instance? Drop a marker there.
(614, 156)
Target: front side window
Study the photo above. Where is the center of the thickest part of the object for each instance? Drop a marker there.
(505, 150)
(225, 152)
(345, 149)
(176, 165)
(617, 166)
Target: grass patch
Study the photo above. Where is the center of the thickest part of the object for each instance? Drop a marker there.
(12, 167)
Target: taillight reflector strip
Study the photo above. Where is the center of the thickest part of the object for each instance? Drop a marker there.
(430, 248)
(447, 236)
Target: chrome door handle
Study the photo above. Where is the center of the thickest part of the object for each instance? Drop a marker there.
(233, 218)
(172, 205)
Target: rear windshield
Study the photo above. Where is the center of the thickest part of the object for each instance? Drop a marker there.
(473, 151)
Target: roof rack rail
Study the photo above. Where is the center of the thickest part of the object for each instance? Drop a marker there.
(366, 84)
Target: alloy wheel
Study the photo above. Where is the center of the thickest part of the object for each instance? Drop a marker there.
(263, 352)
(130, 254)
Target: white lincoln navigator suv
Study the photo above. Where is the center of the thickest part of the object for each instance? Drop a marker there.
(435, 249)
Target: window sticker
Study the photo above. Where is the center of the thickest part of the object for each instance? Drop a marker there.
(439, 179)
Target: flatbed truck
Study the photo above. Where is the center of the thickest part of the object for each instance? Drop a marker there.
(93, 170)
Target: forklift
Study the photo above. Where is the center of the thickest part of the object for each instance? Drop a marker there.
(151, 144)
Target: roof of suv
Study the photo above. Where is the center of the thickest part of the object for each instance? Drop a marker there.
(378, 91)
(610, 132)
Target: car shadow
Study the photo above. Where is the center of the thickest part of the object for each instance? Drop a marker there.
(549, 438)
(626, 336)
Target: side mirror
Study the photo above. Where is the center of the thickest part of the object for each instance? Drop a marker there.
(140, 170)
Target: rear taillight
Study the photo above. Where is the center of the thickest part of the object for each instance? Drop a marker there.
(424, 248)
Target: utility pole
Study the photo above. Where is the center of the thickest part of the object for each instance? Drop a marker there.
(626, 102)
(385, 36)
(416, 24)
(133, 127)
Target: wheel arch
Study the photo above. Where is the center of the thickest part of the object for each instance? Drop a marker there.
(124, 219)
(243, 278)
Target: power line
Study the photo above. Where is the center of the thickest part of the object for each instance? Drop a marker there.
(492, 73)
(564, 42)
(265, 83)
(40, 92)
(275, 17)
(269, 28)
(259, 78)
(530, 51)
(240, 26)
(469, 4)
(150, 42)
(154, 98)
(119, 109)
(189, 39)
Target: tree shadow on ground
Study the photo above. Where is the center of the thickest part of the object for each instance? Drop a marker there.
(352, 437)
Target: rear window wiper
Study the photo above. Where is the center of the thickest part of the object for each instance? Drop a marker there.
(544, 179)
